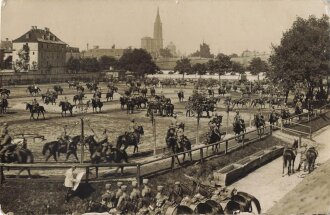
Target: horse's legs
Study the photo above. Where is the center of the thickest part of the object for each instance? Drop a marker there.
(75, 155)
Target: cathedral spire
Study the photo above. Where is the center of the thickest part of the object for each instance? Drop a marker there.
(158, 16)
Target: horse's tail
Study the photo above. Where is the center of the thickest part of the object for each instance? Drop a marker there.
(45, 148)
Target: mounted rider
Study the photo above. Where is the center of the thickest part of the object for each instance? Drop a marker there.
(237, 118)
(216, 120)
(35, 104)
(105, 143)
(132, 128)
(64, 137)
(6, 140)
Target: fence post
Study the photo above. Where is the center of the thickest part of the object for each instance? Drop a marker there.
(138, 174)
(2, 176)
(201, 154)
(299, 140)
(281, 125)
(87, 174)
(271, 130)
(226, 147)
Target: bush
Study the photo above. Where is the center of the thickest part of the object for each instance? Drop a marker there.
(171, 73)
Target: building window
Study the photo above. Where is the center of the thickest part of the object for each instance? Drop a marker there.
(32, 53)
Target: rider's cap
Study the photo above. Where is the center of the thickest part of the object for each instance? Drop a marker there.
(119, 183)
(177, 183)
(123, 187)
(160, 188)
(107, 186)
(145, 181)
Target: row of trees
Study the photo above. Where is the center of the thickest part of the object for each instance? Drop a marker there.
(137, 61)
(220, 65)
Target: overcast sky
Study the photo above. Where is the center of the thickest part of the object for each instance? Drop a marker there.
(228, 26)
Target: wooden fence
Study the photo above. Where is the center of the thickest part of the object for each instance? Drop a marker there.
(200, 153)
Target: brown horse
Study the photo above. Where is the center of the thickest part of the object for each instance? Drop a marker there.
(289, 156)
(311, 156)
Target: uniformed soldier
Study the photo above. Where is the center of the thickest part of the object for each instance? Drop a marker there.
(108, 197)
(160, 197)
(63, 137)
(35, 103)
(146, 191)
(177, 193)
(302, 152)
(123, 200)
(6, 140)
(237, 117)
(104, 141)
(135, 195)
(180, 133)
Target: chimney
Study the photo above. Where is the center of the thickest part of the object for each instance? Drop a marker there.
(6, 39)
(87, 46)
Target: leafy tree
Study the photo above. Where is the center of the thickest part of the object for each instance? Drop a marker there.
(220, 65)
(138, 61)
(183, 66)
(258, 66)
(233, 55)
(199, 68)
(303, 55)
(166, 53)
(73, 64)
(237, 67)
(204, 51)
(106, 62)
(90, 64)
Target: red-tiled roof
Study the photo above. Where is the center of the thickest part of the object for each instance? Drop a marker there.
(38, 35)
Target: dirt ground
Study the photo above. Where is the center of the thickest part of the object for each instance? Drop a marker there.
(112, 118)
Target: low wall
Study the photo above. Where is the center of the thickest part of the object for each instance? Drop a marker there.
(239, 169)
(13, 78)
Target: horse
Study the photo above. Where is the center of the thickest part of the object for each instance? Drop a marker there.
(66, 106)
(32, 90)
(3, 105)
(178, 147)
(168, 109)
(144, 92)
(181, 96)
(222, 91)
(311, 156)
(260, 124)
(109, 95)
(240, 101)
(112, 155)
(78, 97)
(239, 128)
(58, 89)
(49, 98)
(261, 102)
(130, 103)
(289, 156)
(22, 156)
(4, 92)
(242, 202)
(96, 104)
(130, 139)
(55, 148)
(213, 137)
(38, 109)
(73, 84)
(80, 88)
(273, 118)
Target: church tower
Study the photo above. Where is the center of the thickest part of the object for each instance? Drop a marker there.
(158, 33)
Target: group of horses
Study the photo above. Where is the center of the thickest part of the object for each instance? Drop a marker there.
(289, 157)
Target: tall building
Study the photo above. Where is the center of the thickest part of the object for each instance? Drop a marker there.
(39, 50)
(153, 45)
(158, 32)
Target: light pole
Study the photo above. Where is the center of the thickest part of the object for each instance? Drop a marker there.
(227, 123)
(82, 137)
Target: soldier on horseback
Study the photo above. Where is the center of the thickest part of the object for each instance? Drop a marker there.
(132, 128)
(35, 104)
(238, 118)
(63, 138)
(6, 140)
(105, 143)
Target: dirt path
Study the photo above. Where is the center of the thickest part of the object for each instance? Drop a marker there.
(268, 185)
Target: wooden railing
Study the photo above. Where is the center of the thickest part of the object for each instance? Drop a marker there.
(200, 152)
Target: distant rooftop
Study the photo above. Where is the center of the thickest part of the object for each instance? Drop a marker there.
(39, 35)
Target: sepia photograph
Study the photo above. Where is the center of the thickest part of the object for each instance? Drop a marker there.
(164, 107)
